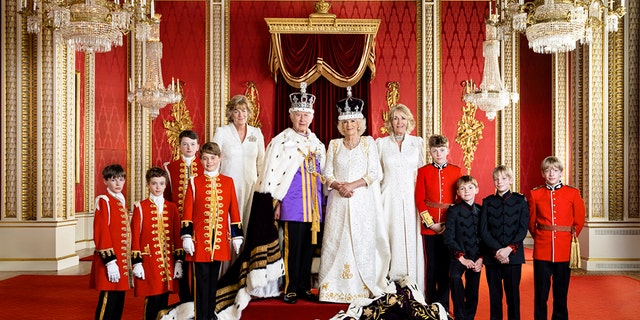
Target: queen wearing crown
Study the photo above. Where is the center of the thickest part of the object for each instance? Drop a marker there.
(350, 264)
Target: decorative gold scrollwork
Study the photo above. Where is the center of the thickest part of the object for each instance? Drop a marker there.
(181, 121)
(469, 133)
(393, 96)
(252, 94)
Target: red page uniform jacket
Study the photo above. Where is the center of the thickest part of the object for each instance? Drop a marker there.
(435, 192)
(179, 175)
(211, 217)
(554, 213)
(155, 240)
(111, 236)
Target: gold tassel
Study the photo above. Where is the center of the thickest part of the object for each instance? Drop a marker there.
(574, 259)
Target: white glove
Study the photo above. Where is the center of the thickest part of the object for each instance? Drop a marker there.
(237, 244)
(138, 270)
(177, 270)
(187, 244)
(113, 272)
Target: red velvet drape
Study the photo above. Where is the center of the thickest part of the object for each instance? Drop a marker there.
(325, 119)
(342, 52)
(299, 53)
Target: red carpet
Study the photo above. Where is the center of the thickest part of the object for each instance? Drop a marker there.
(36, 297)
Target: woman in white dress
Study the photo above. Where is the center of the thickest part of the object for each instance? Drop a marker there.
(401, 154)
(352, 172)
(242, 149)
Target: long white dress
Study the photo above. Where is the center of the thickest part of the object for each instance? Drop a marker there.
(348, 260)
(400, 167)
(241, 160)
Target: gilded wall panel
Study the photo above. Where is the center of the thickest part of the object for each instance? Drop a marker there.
(429, 111)
(508, 120)
(616, 126)
(217, 64)
(10, 111)
(139, 140)
(90, 131)
(560, 108)
(28, 128)
(632, 111)
(46, 123)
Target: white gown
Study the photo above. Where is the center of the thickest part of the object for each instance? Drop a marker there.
(241, 160)
(400, 168)
(349, 252)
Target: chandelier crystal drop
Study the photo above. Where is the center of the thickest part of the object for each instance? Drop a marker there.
(153, 95)
(492, 95)
(89, 25)
(556, 26)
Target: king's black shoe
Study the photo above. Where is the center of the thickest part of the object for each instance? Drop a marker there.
(290, 297)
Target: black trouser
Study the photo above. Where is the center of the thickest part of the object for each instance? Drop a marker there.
(154, 304)
(437, 269)
(510, 275)
(185, 291)
(110, 305)
(464, 296)
(542, 273)
(205, 288)
(298, 254)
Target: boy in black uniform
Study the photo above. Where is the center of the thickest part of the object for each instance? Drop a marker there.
(503, 227)
(462, 237)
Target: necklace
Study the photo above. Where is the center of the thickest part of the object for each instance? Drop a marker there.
(399, 138)
(349, 145)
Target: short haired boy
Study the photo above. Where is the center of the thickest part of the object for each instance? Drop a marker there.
(112, 239)
(180, 171)
(557, 213)
(503, 227)
(435, 192)
(210, 221)
(462, 237)
(155, 228)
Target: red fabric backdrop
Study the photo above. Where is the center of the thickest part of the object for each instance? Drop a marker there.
(111, 113)
(462, 36)
(535, 115)
(183, 36)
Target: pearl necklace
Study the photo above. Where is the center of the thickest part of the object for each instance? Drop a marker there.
(349, 145)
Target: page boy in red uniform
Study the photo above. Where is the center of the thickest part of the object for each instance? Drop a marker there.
(180, 171)
(210, 222)
(112, 239)
(557, 212)
(155, 235)
(435, 192)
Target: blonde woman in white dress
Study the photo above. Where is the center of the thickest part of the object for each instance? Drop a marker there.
(242, 149)
(348, 263)
(401, 154)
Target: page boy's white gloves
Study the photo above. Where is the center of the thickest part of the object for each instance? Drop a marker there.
(187, 244)
(138, 271)
(177, 270)
(113, 273)
(237, 244)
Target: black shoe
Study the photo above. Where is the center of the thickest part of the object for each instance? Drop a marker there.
(290, 298)
(309, 296)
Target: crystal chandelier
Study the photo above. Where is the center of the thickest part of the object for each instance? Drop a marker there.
(492, 95)
(89, 25)
(152, 94)
(554, 26)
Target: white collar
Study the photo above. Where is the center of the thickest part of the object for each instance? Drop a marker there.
(188, 160)
(118, 196)
(212, 174)
(158, 200)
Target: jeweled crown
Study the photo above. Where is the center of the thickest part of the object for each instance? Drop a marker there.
(302, 101)
(350, 107)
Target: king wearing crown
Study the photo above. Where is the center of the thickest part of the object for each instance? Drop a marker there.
(292, 176)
